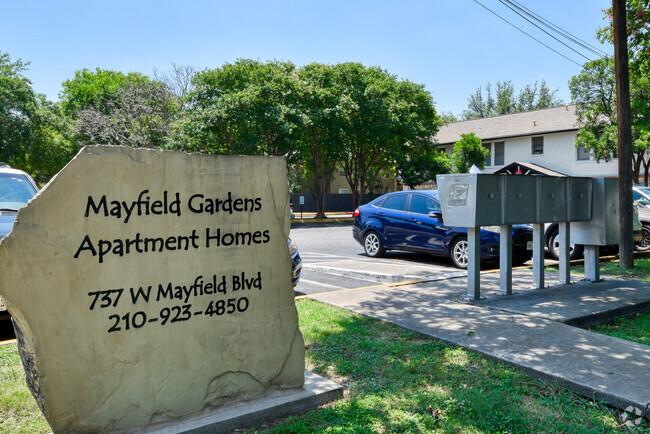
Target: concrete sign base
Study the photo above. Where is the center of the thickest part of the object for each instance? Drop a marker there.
(279, 403)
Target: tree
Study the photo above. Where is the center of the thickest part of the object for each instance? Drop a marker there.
(417, 168)
(179, 81)
(467, 152)
(546, 98)
(506, 102)
(245, 108)
(92, 90)
(529, 98)
(109, 107)
(448, 118)
(386, 123)
(137, 114)
(49, 147)
(594, 93)
(321, 138)
(478, 106)
(17, 105)
(32, 130)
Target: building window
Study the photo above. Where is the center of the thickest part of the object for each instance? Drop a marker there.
(488, 160)
(341, 172)
(499, 153)
(343, 191)
(537, 146)
(583, 154)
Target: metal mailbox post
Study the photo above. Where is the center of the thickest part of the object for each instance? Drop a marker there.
(475, 200)
(471, 200)
(602, 229)
(552, 194)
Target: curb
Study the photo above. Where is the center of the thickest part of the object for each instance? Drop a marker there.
(301, 222)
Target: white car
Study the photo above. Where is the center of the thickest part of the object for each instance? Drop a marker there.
(641, 196)
(16, 189)
(641, 229)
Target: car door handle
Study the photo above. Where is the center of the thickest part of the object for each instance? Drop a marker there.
(414, 221)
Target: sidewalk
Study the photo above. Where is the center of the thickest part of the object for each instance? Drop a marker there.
(530, 329)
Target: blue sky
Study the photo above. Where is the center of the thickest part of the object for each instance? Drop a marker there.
(450, 46)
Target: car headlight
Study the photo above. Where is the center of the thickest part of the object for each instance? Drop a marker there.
(495, 229)
(293, 247)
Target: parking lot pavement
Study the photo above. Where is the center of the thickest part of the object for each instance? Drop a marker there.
(385, 270)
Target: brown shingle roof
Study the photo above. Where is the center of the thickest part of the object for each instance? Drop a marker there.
(552, 120)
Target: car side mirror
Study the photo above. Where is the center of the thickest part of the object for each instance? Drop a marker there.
(436, 214)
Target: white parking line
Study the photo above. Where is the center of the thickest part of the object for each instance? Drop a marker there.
(326, 255)
(324, 285)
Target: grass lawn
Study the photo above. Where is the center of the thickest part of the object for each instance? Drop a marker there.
(18, 410)
(636, 328)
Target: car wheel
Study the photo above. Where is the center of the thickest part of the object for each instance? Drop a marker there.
(644, 244)
(459, 252)
(373, 245)
(554, 246)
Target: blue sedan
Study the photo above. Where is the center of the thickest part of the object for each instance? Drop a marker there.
(412, 221)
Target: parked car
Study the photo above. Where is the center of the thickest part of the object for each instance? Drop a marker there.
(412, 221)
(551, 231)
(296, 261)
(16, 189)
(641, 196)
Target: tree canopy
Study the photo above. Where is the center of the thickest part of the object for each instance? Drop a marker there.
(113, 108)
(468, 151)
(482, 104)
(31, 129)
(360, 118)
(594, 93)
(247, 107)
(388, 123)
(319, 117)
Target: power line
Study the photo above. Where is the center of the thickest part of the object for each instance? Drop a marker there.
(528, 34)
(557, 29)
(519, 13)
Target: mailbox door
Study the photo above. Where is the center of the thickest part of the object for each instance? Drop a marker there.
(488, 199)
(579, 199)
(519, 199)
(551, 206)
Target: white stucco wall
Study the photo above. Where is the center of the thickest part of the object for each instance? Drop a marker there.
(560, 154)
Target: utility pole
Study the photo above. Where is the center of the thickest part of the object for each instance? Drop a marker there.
(624, 113)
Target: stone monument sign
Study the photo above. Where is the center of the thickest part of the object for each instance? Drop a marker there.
(149, 285)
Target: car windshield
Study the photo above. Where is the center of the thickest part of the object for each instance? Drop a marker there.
(642, 196)
(15, 191)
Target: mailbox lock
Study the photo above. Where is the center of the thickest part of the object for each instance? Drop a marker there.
(518, 195)
(491, 196)
(552, 195)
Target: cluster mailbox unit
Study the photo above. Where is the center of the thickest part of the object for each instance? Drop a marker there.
(475, 199)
